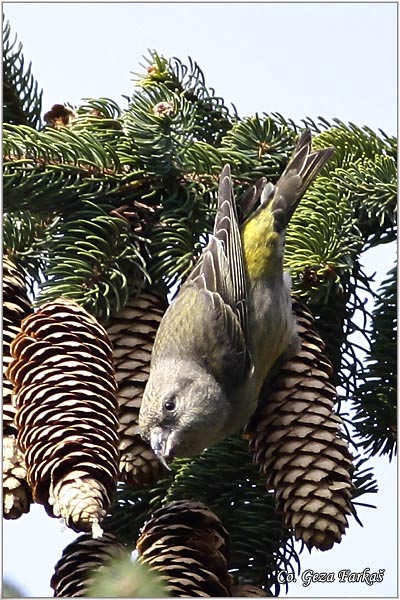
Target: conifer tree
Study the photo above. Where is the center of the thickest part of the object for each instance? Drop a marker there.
(106, 209)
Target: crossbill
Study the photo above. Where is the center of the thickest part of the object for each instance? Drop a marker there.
(230, 321)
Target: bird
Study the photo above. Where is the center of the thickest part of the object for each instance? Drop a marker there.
(230, 321)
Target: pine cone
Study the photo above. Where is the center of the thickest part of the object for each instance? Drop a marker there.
(188, 545)
(67, 412)
(132, 334)
(17, 496)
(294, 436)
(73, 573)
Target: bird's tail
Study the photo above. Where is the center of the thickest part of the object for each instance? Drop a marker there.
(300, 172)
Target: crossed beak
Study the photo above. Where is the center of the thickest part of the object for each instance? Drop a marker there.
(161, 441)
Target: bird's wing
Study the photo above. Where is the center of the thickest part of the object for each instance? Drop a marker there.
(205, 328)
(220, 269)
(210, 311)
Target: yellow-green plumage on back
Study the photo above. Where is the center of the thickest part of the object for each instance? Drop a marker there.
(260, 245)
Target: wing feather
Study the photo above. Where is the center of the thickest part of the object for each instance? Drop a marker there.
(221, 267)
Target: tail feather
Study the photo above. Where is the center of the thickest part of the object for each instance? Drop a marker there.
(299, 174)
(251, 196)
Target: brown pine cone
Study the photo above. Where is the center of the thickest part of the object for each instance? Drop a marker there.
(294, 435)
(17, 495)
(188, 545)
(132, 334)
(80, 560)
(67, 412)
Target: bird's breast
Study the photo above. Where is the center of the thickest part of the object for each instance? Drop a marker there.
(271, 325)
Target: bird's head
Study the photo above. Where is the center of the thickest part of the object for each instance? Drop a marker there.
(183, 411)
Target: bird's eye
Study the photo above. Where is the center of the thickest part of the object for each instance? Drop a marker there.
(169, 405)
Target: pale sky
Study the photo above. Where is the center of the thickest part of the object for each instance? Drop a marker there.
(299, 59)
